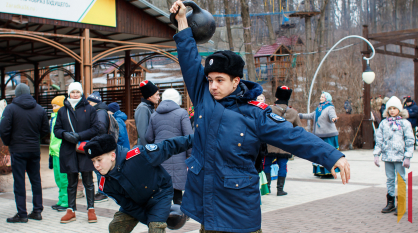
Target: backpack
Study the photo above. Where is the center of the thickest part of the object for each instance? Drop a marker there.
(113, 127)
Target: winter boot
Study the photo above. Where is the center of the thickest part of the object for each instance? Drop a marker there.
(396, 208)
(280, 186)
(35, 216)
(17, 219)
(92, 216)
(98, 197)
(68, 217)
(390, 204)
(268, 176)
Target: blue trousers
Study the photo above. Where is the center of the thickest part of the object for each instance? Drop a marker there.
(392, 168)
(29, 162)
(281, 162)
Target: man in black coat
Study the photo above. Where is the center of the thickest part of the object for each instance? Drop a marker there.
(136, 180)
(23, 124)
(95, 100)
(413, 113)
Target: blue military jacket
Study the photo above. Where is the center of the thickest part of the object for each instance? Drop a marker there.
(138, 182)
(222, 190)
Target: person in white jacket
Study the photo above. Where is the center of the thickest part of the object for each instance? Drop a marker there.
(395, 143)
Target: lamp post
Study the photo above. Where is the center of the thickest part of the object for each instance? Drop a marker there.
(368, 75)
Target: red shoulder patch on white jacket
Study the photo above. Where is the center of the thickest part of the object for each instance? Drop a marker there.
(258, 104)
(132, 153)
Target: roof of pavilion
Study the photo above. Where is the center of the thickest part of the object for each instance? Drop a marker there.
(143, 23)
(287, 42)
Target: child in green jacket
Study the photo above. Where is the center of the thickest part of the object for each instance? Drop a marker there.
(54, 151)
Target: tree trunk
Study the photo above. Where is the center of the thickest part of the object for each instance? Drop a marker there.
(360, 11)
(414, 18)
(272, 36)
(228, 26)
(211, 6)
(246, 23)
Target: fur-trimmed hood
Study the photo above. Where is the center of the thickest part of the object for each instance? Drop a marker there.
(404, 113)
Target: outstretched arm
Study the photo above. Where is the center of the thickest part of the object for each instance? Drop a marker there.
(301, 143)
(169, 147)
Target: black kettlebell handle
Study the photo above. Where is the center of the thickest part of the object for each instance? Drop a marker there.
(187, 3)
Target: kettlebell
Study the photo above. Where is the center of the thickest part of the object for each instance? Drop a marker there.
(200, 21)
(176, 219)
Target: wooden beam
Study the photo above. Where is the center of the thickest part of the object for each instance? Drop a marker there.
(395, 54)
(390, 34)
(395, 40)
(2, 82)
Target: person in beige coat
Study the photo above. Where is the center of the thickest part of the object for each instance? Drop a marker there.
(282, 109)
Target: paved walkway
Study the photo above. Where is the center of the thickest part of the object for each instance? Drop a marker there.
(312, 205)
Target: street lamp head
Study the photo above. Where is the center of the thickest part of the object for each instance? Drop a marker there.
(368, 75)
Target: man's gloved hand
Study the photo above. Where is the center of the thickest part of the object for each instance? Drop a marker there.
(406, 163)
(376, 161)
(71, 137)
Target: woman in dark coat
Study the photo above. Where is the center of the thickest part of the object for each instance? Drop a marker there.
(84, 121)
(169, 121)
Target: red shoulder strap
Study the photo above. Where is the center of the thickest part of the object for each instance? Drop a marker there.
(258, 104)
(132, 153)
(101, 184)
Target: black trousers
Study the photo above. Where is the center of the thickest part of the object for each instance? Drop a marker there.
(87, 178)
(29, 162)
(178, 197)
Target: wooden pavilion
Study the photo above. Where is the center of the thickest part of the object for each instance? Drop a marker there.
(34, 43)
(277, 62)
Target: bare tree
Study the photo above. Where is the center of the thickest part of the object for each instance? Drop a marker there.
(228, 25)
(272, 36)
(246, 23)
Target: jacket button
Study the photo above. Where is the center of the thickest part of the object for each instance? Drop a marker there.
(200, 116)
(191, 167)
(146, 187)
(197, 125)
(239, 144)
(237, 185)
(242, 134)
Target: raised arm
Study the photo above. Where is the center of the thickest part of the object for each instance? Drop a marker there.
(169, 147)
(189, 58)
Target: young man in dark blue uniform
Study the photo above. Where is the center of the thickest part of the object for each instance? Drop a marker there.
(222, 189)
(136, 180)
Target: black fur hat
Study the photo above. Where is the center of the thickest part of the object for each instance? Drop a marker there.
(283, 93)
(147, 88)
(226, 62)
(99, 145)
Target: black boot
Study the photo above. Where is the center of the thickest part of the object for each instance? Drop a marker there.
(390, 204)
(268, 176)
(35, 216)
(280, 186)
(17, 219)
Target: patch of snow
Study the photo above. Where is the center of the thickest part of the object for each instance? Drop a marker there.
(165, 80)
(100, 80)
(149, 75)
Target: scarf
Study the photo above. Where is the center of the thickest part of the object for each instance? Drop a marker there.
(395, 122)
(73, 102)
(319, 110)
(191, 112)
(149, 103)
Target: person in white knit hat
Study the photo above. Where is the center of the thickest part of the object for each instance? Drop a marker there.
(395, 142)
(169, 120)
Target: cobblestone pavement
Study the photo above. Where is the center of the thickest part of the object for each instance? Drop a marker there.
(312, 205)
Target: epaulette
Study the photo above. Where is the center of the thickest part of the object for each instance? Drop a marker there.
(132, 153)
(258, 104)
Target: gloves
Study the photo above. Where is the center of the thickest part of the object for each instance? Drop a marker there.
(376, 161)
(406, 162)
(51, 162)
(71, 137)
